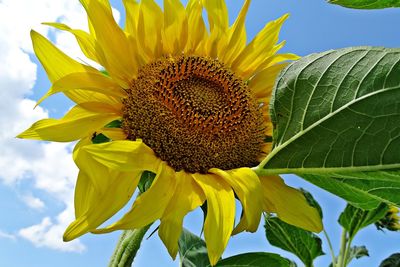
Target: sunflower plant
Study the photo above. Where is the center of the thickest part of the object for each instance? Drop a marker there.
(185, 114)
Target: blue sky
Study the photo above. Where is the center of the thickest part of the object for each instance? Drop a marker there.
(37, 178)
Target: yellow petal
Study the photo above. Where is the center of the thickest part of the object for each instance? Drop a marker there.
(237, 37)
(132, 15)
(289, 204)
(175, 32)
(86, 42)
(101, 205)
(187, 196)
(197, 32)
(247, 187)
(88, 81)
(150, 205)
(114, 133)
(84, 193)
(124, 155)
(107, 6)
(218, 20)
(57, 65)
(260, 48)
(78, 123)
(262, 83)
(220, 214)
(149, 28)
(118, 60)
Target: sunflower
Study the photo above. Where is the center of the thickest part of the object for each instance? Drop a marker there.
(180, 100)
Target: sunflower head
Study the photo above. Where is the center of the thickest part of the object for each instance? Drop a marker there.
(391, 221)
(181, 100)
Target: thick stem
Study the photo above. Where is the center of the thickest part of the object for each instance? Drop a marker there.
(127, 247)
(343, 242)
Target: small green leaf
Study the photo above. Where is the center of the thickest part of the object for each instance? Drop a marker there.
(392, 261)
(354, 219)
(365, 190)
(356, 252)
(337, 111)
(366, 4)
(311, 201)
(255, 259)
(146, 180)
(114, 124)
(99, 138)
(192, 250)
(304, 244)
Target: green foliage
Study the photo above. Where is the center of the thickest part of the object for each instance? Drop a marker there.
(365, 190)
(312, 202)
(354, 219)
(392, 261)
(192, 250)
(337, 111)
(355, 252)
(366, 4)
(99, 138)
(255, 259)
(114, 124)
(302, 243)
(146, 180)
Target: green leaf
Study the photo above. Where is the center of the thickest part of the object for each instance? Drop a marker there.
(366, 4)
(392, 261)
(365, 190)
(311, 201)
(354, 219)
(356, 252)
(146, 180)
(192, 250)
(255, 259)
(304, 244)
(337, 111)
(114, 124)
(99, 138)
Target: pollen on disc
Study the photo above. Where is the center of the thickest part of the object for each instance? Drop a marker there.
(195, 114)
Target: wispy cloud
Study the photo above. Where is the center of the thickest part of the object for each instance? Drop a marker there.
(7, 236)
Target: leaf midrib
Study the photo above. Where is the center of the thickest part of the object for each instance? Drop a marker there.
(318, 122)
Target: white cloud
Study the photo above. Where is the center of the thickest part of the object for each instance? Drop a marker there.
(48, 233)
(33, 202)
(48, 165)
(7, 236)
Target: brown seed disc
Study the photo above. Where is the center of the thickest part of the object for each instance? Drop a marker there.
(195, 114)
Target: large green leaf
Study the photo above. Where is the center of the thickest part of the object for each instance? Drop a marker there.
(367, 4)
(365, 190)
(337, 111)
(255, 259)
(304, 244)
(354, 219)
(392, 261)
(192, 250)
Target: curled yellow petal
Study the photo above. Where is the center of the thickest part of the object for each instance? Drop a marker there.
(94, 207)
(86, 42)
(187, 196)
(150, 205)
(247, 187)
(89, 81)
(197, 32)
(78, 123)
(289, 204)
(220, 218)
(124, 155)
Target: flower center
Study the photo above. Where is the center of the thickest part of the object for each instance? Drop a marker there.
(195, 114)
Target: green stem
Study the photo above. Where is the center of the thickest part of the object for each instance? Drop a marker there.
(127, 247)
(330, 248)
(341, 257)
